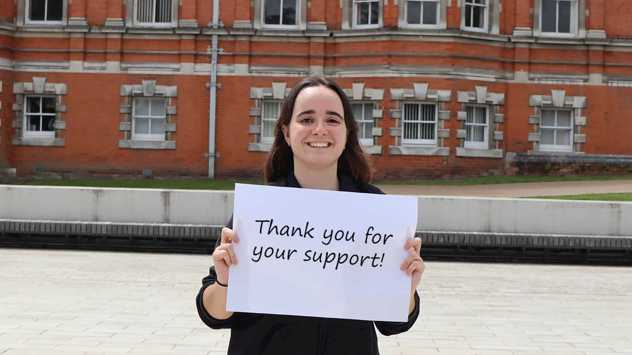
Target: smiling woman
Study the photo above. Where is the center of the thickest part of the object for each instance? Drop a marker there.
(315, 146)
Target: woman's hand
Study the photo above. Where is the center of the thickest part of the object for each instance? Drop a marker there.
(224, 255)
(413, 265)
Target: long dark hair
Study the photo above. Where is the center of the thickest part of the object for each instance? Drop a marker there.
(352, 162)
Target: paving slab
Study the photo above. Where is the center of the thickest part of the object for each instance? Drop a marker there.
(76, 302)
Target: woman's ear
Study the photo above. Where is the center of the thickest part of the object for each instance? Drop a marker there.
(286, 134)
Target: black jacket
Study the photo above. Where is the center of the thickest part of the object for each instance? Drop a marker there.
(278, 335)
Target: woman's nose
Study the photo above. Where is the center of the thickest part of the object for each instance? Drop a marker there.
(319, 128)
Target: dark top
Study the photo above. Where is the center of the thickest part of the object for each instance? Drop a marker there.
(253, 333)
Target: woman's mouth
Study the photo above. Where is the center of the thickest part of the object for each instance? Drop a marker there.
(319, 144)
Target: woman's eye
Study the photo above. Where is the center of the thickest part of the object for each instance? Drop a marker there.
(334, 120)
(306, 120)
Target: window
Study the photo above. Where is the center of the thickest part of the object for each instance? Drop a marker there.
(422, 12)
(366, 13)
(45, 11)
(558, 16)
(154, 12)
(269, 114)
(149, 119)
(419, 124)
(39, 116)
(280, 12)
(476, 127)
(475, 15)
(556, 131)
(363, 114)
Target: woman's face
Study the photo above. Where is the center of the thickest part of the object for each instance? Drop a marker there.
(317, 133)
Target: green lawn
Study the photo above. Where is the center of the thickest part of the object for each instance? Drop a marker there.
(229, 184)
(625, 196)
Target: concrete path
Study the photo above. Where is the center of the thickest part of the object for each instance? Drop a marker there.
(515, 190)
(71, 302)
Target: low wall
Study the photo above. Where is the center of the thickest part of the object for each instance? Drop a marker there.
(198, 214)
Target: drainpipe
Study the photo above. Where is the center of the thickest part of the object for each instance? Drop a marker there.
(212, 118)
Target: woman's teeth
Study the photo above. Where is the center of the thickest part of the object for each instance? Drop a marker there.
(318, 145)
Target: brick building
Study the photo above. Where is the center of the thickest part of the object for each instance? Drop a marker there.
(193, 86)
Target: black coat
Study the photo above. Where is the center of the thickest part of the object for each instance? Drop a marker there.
(253, 333)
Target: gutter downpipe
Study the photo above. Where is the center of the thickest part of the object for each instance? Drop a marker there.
(212, 115)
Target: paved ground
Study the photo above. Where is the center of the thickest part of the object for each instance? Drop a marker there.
(515, 190)
(71, 302)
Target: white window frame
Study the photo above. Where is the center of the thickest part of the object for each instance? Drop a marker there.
(27, 17)
(432, 142)
(555, 128)
(354, 16)
(360, 120)
(422, 25)
(264, 119)
(297, 16)
(486, 14)
(174, 16)
(26, 133)
(574, 20)
(148, 136)
(485, 143)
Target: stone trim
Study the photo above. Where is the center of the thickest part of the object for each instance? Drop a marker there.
(443, 14)
(495, 104)
(420, 93)
(360, 94)
(38, 87)
(301, 20)
(558, 100)
(1, 120)
(147, 88)
(580, 26)
(277, 92)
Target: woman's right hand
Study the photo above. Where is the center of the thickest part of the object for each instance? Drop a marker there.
(224, 255)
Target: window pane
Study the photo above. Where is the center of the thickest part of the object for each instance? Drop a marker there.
(478, 16)
(563, 118)
(428, 113)
(468, 15)
(49, 104)
(411, 112)
(410, 130)
(481, 115)
(547, 136)
(141, 107)
(36, 10)
(158, 108)
(413, 12)
(470, 114)
(357, 111)
(163, 11)
(33, 123)
(368, 112)
(548, 15)
(272, 12)
(367, 129)
(478, 133)
(430, 13)
(33, 105)
(548, 118)
(48, 123)
(141, 125)
(564, 17)
(271, 110)
(268, 129)
(427, 131)
(55, 10)
(145, 10)
(563, 137)
(375, 12)
(362, 15)
(289, 12)
(158, 126)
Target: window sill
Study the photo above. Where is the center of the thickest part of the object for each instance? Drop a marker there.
(479, 153)
(259, 147)
(372, 149)
(39, 141)
(418, 150)
(136, 144)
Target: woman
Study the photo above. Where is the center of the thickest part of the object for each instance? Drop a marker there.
(316, 146)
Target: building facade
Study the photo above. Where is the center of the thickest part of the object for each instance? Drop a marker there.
(193, 87)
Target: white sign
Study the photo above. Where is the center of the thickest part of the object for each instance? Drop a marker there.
(321, 253)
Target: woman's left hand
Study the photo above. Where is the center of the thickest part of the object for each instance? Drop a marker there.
(413, 265)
